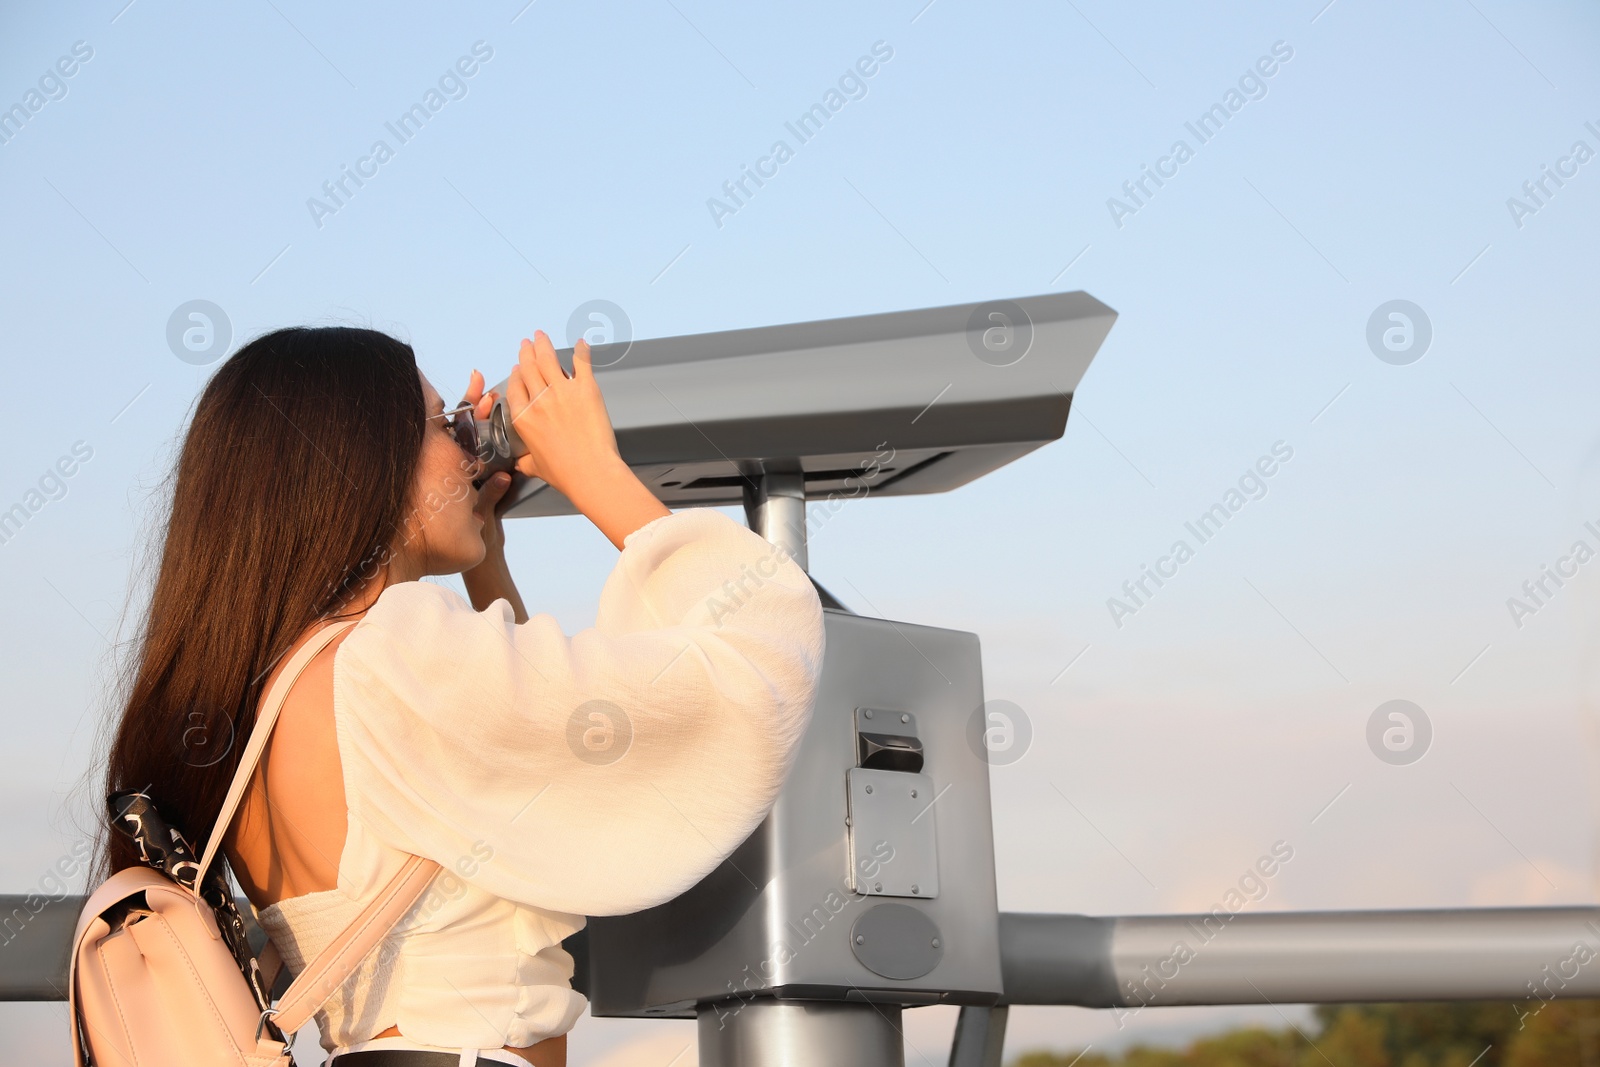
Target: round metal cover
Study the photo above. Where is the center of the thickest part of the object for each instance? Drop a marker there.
(896, 941)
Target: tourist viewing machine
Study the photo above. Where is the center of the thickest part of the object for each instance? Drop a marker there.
(871, 883)
(870, 886)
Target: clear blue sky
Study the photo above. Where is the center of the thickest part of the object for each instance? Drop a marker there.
(1375, 163)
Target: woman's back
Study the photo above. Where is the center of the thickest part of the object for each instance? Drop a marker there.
(288, 850)
(290, 846)
(550, 777)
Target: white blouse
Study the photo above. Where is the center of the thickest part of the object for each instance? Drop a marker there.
(552, 777)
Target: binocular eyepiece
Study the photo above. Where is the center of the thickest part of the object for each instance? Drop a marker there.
(493, 441)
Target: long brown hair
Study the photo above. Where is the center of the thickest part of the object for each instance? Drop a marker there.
(292, 483)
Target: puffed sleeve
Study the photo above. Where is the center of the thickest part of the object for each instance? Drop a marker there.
(601, 773)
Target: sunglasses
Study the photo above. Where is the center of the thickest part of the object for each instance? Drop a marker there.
(461, 423)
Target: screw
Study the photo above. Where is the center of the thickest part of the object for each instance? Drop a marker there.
(913, 794)
(936, 942)
(905, 718)
(913, 890)
(862, 941)
(869, 789)
(867, 714)
(877, 887)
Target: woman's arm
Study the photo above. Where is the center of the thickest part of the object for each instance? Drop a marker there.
(571, 445)
(491, 580)
(606, 771)
(564, 424)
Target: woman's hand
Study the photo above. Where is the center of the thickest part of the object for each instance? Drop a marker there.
(494, 488)
(488, 509)
(562, 421)
(490, 580)
(561, 418)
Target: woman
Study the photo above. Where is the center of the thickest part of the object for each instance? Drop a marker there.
(552, 777)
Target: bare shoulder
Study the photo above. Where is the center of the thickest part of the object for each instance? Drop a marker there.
(313, 690)
(305, 725)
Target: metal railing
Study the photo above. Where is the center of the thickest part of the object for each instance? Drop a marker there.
(1129, 963)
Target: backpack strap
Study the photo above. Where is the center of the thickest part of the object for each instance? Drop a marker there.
(329, 970)
(270, 960)
(325, 974)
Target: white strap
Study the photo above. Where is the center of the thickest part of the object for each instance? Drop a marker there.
(270, 960)
(266, 719)
(324, 974)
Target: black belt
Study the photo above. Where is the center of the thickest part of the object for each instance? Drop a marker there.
(400, 1057)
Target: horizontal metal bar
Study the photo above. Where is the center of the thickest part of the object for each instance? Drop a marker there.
(36, 939)
(1147, 960)
(1300, 957)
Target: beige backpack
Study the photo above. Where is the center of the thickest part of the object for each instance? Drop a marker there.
(161, 972)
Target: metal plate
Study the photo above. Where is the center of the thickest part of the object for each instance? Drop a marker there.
(894, 850)
(896, 941)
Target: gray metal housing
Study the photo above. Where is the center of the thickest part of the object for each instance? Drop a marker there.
(696, 416)
(779, 918)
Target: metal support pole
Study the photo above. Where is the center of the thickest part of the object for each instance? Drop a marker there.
(800, 1033)
(980, 1037)
(775, 508)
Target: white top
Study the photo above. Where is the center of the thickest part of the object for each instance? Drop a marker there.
(552, 777)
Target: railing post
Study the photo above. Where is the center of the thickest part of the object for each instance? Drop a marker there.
(980, 1037)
